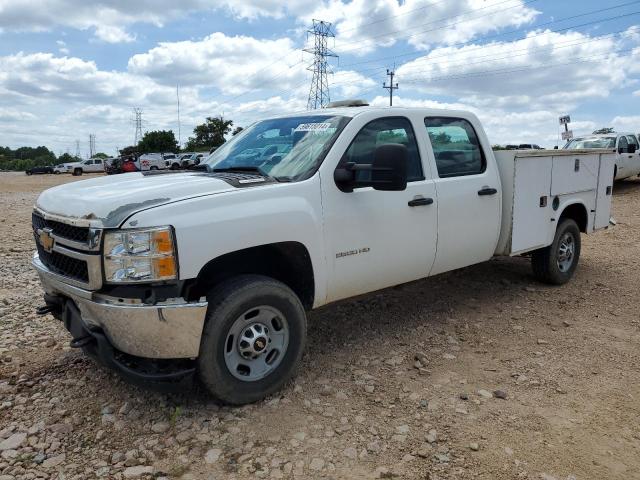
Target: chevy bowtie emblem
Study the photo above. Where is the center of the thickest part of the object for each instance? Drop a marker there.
(45, 239)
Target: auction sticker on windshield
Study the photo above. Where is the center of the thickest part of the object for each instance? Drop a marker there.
(313, 127)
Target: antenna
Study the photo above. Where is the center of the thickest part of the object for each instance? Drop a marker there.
(319, 91)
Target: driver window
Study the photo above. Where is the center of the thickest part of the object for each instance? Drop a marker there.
(380, 132)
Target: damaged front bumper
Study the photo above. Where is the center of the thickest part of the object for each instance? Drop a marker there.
(166, 330)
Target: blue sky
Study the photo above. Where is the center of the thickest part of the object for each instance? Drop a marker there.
(69, 68)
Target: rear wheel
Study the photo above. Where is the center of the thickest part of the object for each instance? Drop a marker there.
(253, 339)
(557, 263)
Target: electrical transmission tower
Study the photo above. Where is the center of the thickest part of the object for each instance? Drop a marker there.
(77, 148)
(391, 87)
(92, 145)
(138, 121)
(319, 92)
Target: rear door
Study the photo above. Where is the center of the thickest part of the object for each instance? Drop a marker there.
(469, 194)
(97, 166)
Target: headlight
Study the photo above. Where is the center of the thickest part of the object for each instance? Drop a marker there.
(145, 255)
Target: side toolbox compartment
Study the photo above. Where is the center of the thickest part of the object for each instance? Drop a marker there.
(531, 203)
(605, 190)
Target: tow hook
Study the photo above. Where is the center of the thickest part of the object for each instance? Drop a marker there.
(46, 309)
(81, 342)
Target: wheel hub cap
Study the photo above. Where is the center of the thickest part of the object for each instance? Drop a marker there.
(256, 343)
(566, 252)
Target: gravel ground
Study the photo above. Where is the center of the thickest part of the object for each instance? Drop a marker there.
(477, 374)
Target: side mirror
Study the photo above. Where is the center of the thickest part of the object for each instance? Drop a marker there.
(388, 170)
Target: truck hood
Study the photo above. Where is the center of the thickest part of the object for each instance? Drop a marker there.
(106, 202)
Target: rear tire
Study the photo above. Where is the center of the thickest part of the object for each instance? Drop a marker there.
(557, 263)
(253, 339)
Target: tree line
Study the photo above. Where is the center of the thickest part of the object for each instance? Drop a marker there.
(208, 135)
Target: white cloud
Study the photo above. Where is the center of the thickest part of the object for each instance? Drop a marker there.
(231, 64)
(545, 69)
(361, 25)
(626, 123)
(112, 34)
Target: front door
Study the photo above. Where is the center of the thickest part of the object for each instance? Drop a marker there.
(377, 239)
(468, 189)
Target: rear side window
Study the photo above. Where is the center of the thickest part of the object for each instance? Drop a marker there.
(380, 132)
(631, 139)
(455, 146)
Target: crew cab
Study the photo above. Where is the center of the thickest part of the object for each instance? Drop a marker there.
(208, 274)
(627, 163)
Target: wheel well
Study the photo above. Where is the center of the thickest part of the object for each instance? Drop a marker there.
(578, 213)
(288, 262)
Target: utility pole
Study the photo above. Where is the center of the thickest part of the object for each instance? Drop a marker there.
(77, 148)
(391, 87)
(178, 101)
(319, 91)
(138, 122)
(92, 145)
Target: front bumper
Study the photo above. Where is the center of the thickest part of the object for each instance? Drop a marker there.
(166, 330)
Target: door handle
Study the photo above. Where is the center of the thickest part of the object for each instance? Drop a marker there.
(417, 202)
(487, 191)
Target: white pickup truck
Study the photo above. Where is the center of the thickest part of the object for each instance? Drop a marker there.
(170, 275)
(627, 162)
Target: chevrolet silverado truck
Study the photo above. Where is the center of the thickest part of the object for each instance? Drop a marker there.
(173, 276)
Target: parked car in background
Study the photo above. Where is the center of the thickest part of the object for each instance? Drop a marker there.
(191, 159)
(39, 170)
(59, 168)
(625, 145)
(92, 165)
(158, 161)
(529, 146)
(120, 165)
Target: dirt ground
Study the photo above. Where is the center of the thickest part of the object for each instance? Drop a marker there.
(567, 359)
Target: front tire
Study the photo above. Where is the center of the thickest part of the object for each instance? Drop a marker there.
(557, 263)
(77, 172)
(253, 339)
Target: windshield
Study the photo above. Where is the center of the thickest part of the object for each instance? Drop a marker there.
(591, 142)
(288, 149)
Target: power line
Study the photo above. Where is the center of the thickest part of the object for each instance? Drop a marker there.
(528, 28)
(449, 25)
(319, 91)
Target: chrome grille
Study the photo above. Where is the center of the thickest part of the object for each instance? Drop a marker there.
(69, 251)
(64, 230)
(63, 265)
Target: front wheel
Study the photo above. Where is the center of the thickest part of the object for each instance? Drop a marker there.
(77, 172)
(253, 339)
(557, 263)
